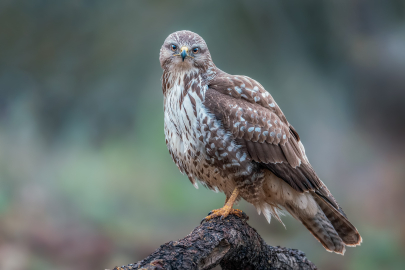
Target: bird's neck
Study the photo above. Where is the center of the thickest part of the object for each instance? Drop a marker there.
(187, 78)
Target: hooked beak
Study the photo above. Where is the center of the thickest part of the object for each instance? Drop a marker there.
(184, 52)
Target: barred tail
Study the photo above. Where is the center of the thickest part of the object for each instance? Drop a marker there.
(328, 225)
(317, 210)
(346, 231)
(324, 232)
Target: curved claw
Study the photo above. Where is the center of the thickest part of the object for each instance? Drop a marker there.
(205, 219)
(201, 222)
(222, 213)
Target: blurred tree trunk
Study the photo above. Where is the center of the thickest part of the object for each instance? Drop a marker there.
(230, 243)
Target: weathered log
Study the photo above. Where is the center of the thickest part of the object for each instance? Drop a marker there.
(230, 243)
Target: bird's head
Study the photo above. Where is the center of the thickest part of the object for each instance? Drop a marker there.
(184, 51)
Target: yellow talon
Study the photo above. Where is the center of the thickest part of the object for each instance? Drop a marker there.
(223, 213)
(227, 209)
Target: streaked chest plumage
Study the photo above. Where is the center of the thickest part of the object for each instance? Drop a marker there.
(198, 143)
(181, 111)
(188, 128)
(181, 120)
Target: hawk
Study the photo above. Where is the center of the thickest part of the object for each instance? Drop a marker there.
(227, 132)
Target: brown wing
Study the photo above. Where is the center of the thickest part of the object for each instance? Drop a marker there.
(251, 115)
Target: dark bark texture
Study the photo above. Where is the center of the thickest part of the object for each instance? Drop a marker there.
(230, 243)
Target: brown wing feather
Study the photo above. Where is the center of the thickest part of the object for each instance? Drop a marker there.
(251, 115)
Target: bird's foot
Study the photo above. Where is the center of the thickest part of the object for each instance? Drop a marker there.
(224, 212)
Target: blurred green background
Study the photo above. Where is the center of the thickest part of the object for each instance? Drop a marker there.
(86, 181)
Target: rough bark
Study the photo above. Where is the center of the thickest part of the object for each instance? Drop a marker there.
(230, 243)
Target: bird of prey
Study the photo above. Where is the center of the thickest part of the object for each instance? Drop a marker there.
(227, 132)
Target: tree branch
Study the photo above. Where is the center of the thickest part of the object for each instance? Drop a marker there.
(230, 243)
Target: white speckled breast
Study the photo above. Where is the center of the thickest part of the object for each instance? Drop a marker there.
(186, 138)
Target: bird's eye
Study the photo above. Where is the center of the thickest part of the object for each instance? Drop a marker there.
(174, 47)
(196, 50)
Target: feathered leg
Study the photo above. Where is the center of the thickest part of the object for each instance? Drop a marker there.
(227, 208)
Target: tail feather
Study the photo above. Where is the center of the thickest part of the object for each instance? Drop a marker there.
(321, 228)
(347, 232)
(317, 210)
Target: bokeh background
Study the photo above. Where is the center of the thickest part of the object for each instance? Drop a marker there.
(86, 181)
